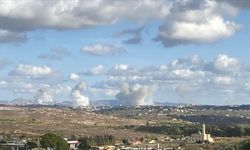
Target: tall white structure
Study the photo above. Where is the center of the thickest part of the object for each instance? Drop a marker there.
(206, 137)
(203, 132)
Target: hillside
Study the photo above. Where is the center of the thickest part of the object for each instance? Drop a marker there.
(66, 121)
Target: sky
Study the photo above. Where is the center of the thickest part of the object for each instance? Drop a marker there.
(137, 52)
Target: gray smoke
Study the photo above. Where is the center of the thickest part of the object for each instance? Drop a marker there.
(135, 94)
(44, 96)
(78, 98)
(183, 90)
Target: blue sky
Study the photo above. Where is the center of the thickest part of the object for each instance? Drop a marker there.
(192, 51)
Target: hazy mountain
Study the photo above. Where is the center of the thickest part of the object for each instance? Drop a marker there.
(167, 104)
(105, 103)
(70, 103)
(20, 101)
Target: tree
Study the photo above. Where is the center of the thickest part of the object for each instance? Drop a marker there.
(53, 141)
(245, 145)
(84, 145)
(240, 131)
(125, 141)
(31, 145)
(73, 138)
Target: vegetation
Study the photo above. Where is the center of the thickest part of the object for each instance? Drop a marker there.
(125, 141)
(215, 119)
(31, 145)
(53, 141)
(5, 148)
(244, 145)
(86, 142)
(185, 130)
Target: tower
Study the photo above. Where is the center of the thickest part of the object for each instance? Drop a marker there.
(203, 132)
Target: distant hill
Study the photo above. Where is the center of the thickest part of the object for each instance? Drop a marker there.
(105, 103)
(111, 103)
(4, 102)
(64, 103)
(22, 102)
(19, 101)
(117, 103)
(167, 104)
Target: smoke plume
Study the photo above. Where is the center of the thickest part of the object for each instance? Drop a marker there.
(44, 96)
(183, 90)
(78, 98)
(135, 94)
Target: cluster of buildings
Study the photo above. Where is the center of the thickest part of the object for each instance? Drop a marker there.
(201, 136)
(14, 144)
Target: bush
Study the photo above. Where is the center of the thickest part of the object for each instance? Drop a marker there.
(244, 145)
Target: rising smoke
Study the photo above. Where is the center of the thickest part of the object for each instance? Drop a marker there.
(78, 98)
(135, 94)
(44, 96)
(183, 90)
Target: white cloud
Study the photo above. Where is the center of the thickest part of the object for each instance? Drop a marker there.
(223, 80)
(121, 70)
(62, 89)
(72, 14)
(202, 23)
(225, 63)
(187, 74)
(17, 86)
(192, 61)
(55, 54)
(12, 37)
(96, 70)
(121, 67)
(103, 92)
(209, 31)
(102, 49)
(33, 71)
(135, 35)
(2, 82)
(180, 18)
(239, 4)
(74, 77)
(185, 79)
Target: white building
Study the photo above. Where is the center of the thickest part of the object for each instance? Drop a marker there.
(201, 137)
(73, 145)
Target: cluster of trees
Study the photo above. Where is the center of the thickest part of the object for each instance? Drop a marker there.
(228, 131)
(169, 130)
(87, 142)
(215, 119)
(243, 145)
(53, 141)
(185, 130)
